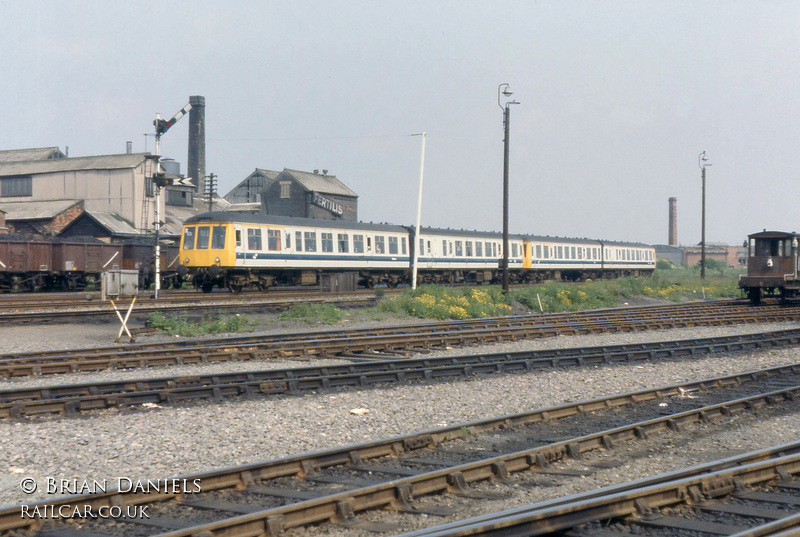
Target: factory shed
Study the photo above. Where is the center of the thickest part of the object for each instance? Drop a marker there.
(249, 190)
(309, 195)
(39, 153)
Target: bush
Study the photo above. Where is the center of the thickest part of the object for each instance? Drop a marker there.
(437, 302)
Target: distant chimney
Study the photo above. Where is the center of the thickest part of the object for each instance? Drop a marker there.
(673, 222)
(128, 147)
(196, 167)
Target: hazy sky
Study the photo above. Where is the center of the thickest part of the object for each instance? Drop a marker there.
(617, 100)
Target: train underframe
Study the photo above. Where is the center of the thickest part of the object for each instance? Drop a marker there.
(27, 282)
(759, 287)
(209, 278)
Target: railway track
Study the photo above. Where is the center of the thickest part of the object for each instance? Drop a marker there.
(756, 497)
(400, 479)
(71, 399)
(366, 343)
(80, 310)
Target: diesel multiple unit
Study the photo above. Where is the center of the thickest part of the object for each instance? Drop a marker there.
(236, 250)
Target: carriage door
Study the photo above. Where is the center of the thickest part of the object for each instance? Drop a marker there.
(238, 246)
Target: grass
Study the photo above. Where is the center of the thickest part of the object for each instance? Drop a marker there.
(313, 313)
(177, 326)
(676, 285)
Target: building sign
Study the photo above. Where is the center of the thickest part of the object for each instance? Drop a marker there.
(327, 204)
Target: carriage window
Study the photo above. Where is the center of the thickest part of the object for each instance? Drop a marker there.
(218, 238)
(421, 245)
(274, 239)
(238, 234)
(478, 249)
(344, 245)
(444, 247)
(514, 250)
(311, 241)
(393, 245)
(358, 244)
(188, 238)
(403, 245)
(327, 242)
(253, 239)
(380, 244)
(288, 240)
(469, 248)
(459, 248)
(203, 234)
(298, 241)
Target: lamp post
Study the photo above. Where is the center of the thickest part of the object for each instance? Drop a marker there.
(701, 161)
(416, 247)
(503, 89)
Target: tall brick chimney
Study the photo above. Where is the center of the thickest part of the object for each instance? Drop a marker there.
(196, 168)
(673, 222)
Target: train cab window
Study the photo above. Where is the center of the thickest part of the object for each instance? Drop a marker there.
(298, 241)
(358, 244)
(253, 238)
(469, 248)
(380, 244)
(327, 242)
(203, 234)
(188, 238)
(218, 238)
(403, 247)
(238, 235)
(344, 243)
(274, 240)
(393, 248)
(310, 238)
(478, 249)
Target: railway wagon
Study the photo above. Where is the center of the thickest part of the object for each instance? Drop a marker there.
(772, 266)
(234, 250)
(140, 255)
(27, 265)
(77, 265)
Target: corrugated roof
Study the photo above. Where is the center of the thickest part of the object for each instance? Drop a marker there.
(35, 210)
(103, 162)
(37, 153)
(113, 223)
(326, 184)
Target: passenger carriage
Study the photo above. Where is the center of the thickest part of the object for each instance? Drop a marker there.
(233, 250)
